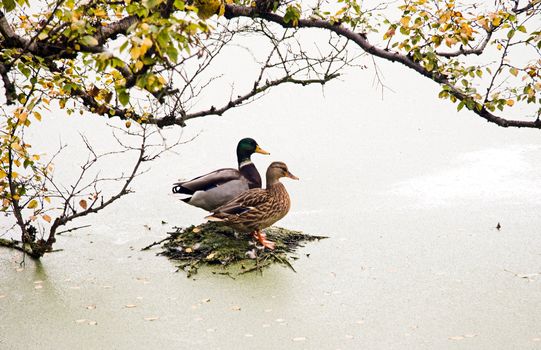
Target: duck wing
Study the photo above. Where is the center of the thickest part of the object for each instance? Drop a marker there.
(244, 202)
(207, 181)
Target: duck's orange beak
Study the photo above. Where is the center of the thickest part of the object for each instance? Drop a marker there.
(291, 176)
(260, 150)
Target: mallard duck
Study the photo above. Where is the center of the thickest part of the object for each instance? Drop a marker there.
(214, 189)
(256, 209)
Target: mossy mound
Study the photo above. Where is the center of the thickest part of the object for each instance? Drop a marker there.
(214, 244)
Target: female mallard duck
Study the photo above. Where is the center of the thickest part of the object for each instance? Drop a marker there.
(214, 189)
(258, 208)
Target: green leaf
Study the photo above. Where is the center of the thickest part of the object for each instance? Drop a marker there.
(510, 34)
(172, 53)
(460, 106)
(151, 3)
(89, 40)
(123, 96)
(9, 5)
(292, 15)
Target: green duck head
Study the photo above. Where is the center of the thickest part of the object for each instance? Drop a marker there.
(246, 148)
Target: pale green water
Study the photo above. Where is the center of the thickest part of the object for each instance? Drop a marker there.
(410, 197)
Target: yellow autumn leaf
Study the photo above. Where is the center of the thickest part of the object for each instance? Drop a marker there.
(47, 199)
(135, 52)
(33, 203)
(37, 115)
(46, 217)
(222, 10)
(138, 65)
(22, 116)
(146, 44)
(389, 33)
(510, 102)
(83, 204)
(2, 174)
(405, 21)
(450, 41)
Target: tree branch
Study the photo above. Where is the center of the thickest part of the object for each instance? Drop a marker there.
(241, 99)
(361, 40)
(9, 87)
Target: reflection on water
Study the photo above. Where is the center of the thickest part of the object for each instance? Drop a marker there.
(493, 174)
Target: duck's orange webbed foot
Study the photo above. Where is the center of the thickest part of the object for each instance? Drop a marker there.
(262, 238)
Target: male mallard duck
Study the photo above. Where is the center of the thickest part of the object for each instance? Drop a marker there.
(214, 189)
(258, 208)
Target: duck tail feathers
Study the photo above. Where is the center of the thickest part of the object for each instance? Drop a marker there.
(213, 218)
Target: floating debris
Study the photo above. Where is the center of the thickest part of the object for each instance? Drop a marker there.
(215, 244)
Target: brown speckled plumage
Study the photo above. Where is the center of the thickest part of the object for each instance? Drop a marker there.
(257, 208)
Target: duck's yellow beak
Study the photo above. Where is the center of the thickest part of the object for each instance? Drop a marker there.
(291, 176)
(260, 150)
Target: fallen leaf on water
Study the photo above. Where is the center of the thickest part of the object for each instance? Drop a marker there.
(235, 308)
(38, 282)
(92, 323)
(207, 300)
(248, 335)
(90, 307)
(299, 339)
(456, 337)
(153, 318)
(39, 286)
(129, 306)
(82, 320)
(470, 335)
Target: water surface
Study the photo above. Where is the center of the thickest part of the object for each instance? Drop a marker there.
(409, 191)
